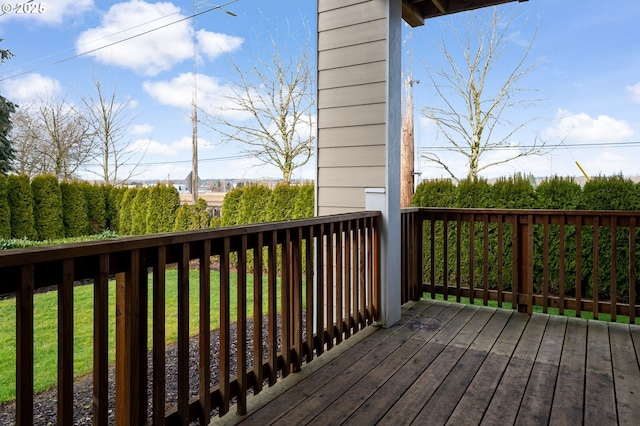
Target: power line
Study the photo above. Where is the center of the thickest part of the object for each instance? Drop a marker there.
(123, 40)
(628, 144)
(205, 160)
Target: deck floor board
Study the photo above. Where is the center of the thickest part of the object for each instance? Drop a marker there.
(446, 363)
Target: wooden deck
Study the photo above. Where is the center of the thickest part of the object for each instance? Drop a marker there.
(462, 365)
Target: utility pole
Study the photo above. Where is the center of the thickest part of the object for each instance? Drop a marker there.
(194, 140)
(197, 5)
(407, 146)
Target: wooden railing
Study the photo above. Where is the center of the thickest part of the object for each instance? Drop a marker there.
(305, 314)
(583, 261)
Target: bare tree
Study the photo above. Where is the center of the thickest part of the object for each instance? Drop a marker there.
(277, 97)
(26, 137)
(478, 91)
(53, 137)
(108, 122)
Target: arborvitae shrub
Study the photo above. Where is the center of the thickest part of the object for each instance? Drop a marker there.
(253, 204)
(476, 195)
(170, 200)
(20, 199)
(230, 206)
(513, 193)
(282, 203)
(199, 215)
(125, 219)
(113, 208)
(215, 222)
(183, 219)
(163, 205)
(5, 212)
(305, 206)
(110, 210)
(609, 193)
(558, 193)
(435, 193)
(47, 207)
(96, 208)
(153, 210)
(139, 212)
(74, 209)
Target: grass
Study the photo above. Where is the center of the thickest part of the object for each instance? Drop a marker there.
(46, 326)
(622, 319)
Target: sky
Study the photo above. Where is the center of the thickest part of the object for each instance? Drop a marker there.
(587, 75)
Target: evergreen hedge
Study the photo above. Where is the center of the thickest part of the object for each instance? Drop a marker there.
(74, 209)
(5, 211)
(517, 192)
(96, 208)
(282, 203)
(183, 219)
(305, 205)
(114, 201)
(473, 195)
(162, 207)
(47, 207)
(230, 206)
(20, 199)
(252, 207)
(125, 220)
(435, 193)
(192, 217)
(139, 212)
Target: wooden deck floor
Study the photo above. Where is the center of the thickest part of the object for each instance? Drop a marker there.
(463, 365)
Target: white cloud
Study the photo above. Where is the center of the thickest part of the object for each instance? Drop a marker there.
(31, 88)
(148, 54)
(581, 127)
(49, 13)
(634, 92)
(141, 129)
(214, 44)
(177, 92)
(154, 147)
(150, 146)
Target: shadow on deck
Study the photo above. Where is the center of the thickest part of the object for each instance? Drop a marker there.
(457, 364)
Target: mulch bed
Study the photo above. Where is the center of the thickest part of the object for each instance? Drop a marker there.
(45, 402)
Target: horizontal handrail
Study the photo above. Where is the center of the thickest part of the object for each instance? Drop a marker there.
(585, 261)
(315, 282)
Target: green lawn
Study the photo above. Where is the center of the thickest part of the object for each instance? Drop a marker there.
(538, 309)
(46, 318)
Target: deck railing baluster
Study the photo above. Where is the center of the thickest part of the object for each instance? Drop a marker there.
(632, 270)
(241, 334)
(204, 339)
(24, 346)
(310, 245)
(159, 336)
(225, 326)
(100, 401)
(272, 284)
(258, 353)
(321, 254)
(341, 281)
(183, 335)
(65, 344)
